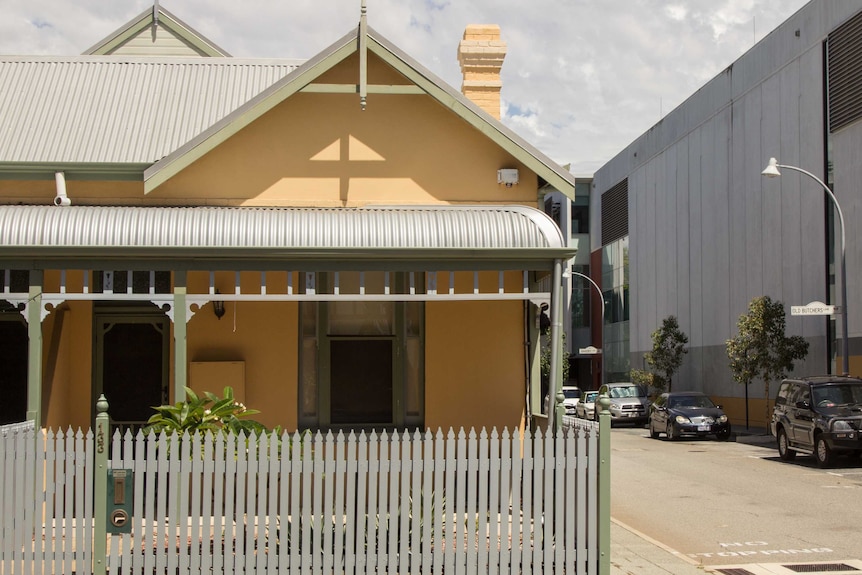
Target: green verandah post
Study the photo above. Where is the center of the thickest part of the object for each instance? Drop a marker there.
(604, 520)
(100, 488)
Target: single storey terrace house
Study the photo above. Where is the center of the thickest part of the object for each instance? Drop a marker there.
(346, 241)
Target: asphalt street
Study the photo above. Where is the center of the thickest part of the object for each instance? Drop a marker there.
(736, 504)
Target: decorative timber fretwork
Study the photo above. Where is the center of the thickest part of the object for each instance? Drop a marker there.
(228, 286)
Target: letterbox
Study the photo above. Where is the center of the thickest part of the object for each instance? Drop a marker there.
(120, 500)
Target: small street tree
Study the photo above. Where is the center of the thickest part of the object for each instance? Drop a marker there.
(668, 349)
(761, 348)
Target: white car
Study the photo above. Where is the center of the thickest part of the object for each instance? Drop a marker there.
(586, 406)
(571, 397)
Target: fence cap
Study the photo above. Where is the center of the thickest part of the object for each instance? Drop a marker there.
(604, 402)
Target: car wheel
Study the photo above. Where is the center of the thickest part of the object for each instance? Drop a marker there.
(822, 452)
(723, 435)
(652, 432)
(671, 432)
(784, 451)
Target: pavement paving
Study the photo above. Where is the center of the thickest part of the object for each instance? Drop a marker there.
(635, 553)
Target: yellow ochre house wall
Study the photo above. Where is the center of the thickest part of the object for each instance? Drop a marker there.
(474, 365)
(264, 336)
(322, 150)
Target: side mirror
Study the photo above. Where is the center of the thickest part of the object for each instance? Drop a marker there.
(718, 406)
(803, 405)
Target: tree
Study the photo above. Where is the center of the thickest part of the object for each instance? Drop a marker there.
(653, 382)
(761, 348)
(668, 349)
(545, 357)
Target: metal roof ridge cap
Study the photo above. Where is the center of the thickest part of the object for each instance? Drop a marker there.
(132, 59)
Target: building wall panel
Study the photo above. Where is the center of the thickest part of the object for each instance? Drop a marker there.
(683, 245)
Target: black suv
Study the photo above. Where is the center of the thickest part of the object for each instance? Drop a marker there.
(820, 416)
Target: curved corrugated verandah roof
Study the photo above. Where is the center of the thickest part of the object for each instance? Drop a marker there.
(424, 232)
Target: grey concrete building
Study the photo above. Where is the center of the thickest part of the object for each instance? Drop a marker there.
(684, 223)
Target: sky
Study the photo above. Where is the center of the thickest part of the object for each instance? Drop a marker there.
(581, 80)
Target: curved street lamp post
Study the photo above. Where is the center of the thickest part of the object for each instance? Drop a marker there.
(558, 410)
(771, 171)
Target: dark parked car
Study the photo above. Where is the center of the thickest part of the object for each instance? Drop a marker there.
(819, 416)
(687, 413)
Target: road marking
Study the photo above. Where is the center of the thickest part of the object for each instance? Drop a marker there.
(760, 552)
(845, 473)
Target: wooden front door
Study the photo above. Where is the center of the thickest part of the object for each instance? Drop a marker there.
(132, 363)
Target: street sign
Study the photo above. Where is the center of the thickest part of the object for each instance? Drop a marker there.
(589, 350)
(815, 308)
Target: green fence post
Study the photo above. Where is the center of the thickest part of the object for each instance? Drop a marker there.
(100, 488)
(604, 519)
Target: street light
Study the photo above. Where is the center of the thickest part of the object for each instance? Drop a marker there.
(771, 171)
(558, 396)
(601, 299)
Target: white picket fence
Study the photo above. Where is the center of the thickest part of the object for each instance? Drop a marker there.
(434, 503)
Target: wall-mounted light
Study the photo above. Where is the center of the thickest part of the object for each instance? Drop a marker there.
(218, 307)
(508, 177)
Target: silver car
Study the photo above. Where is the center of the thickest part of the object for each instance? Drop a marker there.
(629, 402)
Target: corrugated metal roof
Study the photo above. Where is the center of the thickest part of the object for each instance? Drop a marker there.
(109, 109)
(53, 231)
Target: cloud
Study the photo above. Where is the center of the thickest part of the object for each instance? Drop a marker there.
(581, 79)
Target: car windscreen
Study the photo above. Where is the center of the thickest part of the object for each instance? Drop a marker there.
(627, 391)
(690, 402)
(837, 394)
(573, 393)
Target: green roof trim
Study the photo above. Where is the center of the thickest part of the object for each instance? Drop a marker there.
(145, 20)
(73, 171)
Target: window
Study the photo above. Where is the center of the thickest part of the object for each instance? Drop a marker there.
(582, 291)
(361, 361)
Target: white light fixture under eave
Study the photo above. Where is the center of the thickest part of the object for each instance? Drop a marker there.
(507, 176)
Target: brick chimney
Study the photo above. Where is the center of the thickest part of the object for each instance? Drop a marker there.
(481, 54)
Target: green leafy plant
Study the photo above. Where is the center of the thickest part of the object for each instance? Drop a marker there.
(545, 357)
(651, 381)
(205, 413)
(668, 349)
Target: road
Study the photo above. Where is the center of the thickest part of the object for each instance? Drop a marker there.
(734, 503)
